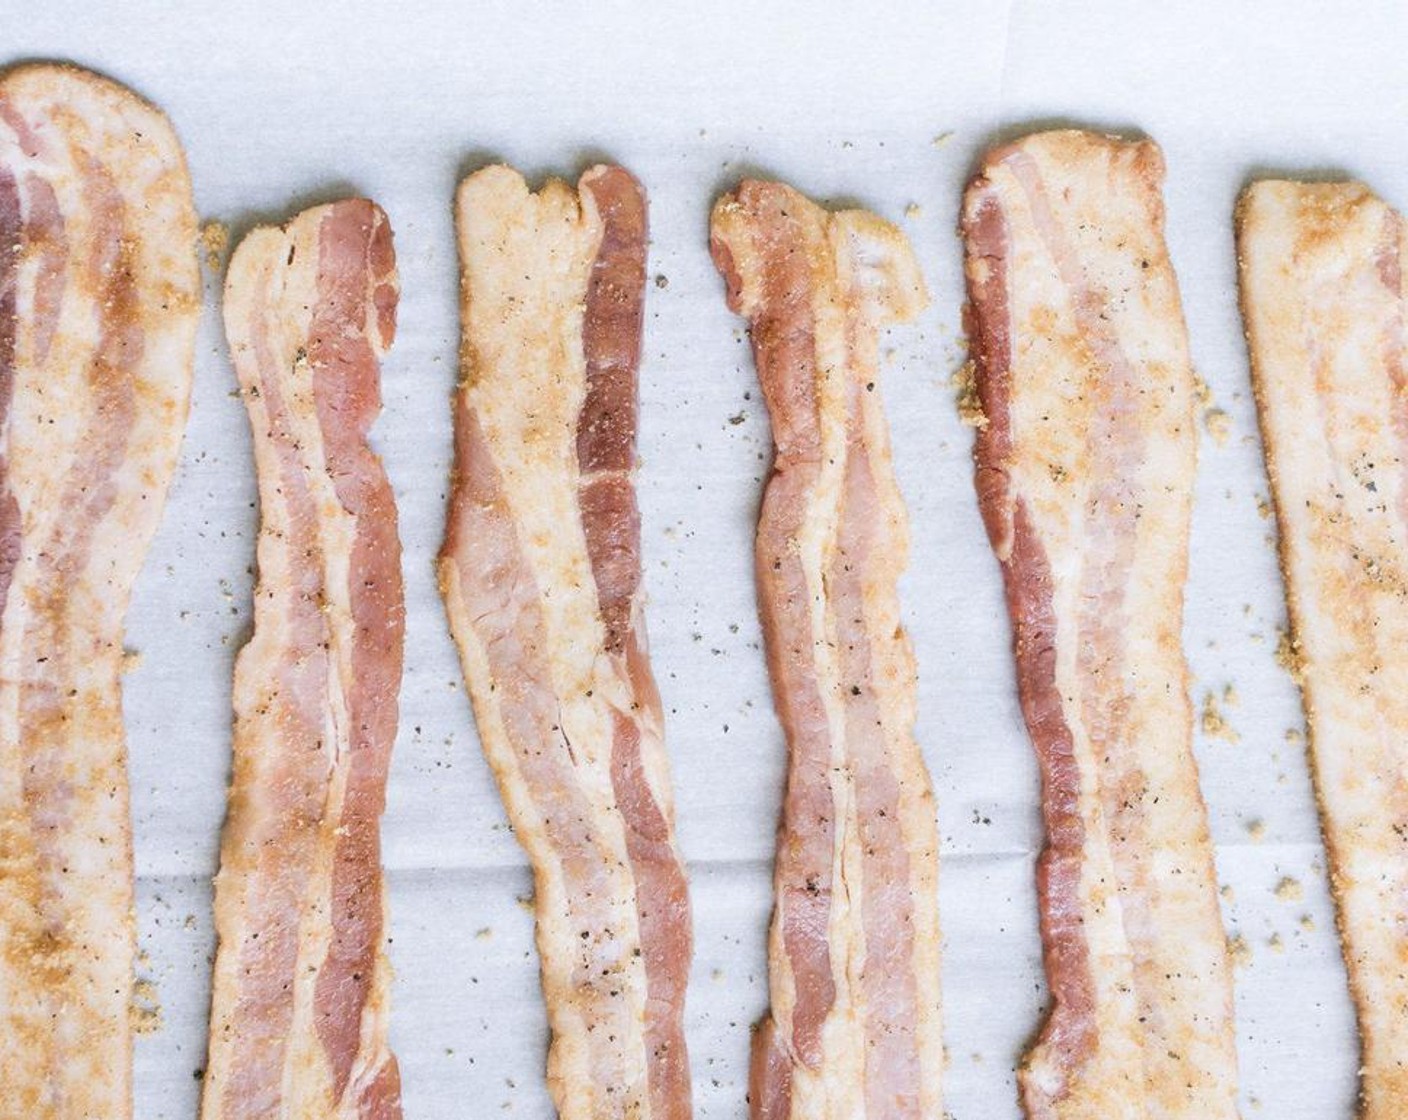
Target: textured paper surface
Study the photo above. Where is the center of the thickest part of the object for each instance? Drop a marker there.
(279, 109)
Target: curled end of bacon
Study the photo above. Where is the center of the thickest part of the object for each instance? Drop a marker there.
(886, 282)
(1084, 472)
(301, 988)
(99, 297)
(541, 575)
(1325, 304)
(854, 1028)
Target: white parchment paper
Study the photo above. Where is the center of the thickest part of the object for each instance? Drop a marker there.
(885, 105)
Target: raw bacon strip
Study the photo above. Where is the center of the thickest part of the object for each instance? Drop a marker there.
(99, 297)
(1325, 305)
(855, 1026)
(1085, 469)
(541, 575)
(299, 1016)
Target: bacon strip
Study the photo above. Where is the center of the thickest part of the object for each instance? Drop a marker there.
(1325, 305)
(541, 575)
(1084, 475)
(99, 297)
(299, 1016)
(855, 1026)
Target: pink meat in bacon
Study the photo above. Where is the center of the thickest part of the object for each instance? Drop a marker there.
(854, 1028)
(1322, 269)
(298, 1018)
(1084, 458)
(99, 296)
(541, 573)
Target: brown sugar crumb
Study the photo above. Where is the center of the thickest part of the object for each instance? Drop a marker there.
(1277, 945)
(1215, 419)
(1257, 830)
(1215, 726)
(214, 239)
(1289, 890)
(1218, 425)
(1307, 923)
(1288, 655)
(1263, 507)
(970, 405)
(1239, 951)
(913, 210)
(145, 1009)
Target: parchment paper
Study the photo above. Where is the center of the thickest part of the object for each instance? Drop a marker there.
(885, 105)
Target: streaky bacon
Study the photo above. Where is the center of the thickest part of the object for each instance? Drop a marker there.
(541, 575)
(1084, 468)
(855, 1028)
(1325, 305)
(99, 298)
(299, 1011)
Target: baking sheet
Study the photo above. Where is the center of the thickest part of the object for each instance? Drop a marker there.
(885, 105)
